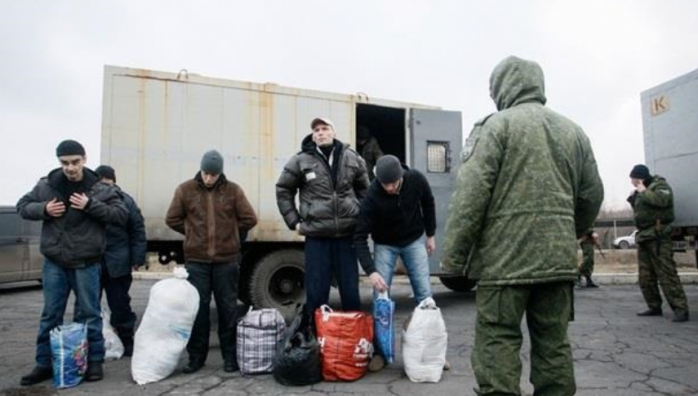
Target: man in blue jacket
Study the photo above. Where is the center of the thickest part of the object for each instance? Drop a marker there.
(126, 246)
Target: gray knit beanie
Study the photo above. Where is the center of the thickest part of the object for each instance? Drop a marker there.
(212, 162)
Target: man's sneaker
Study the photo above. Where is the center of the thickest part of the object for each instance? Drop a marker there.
(94, 371)
(650, 312)
(38, 374)
(377, 363)
(680, 316)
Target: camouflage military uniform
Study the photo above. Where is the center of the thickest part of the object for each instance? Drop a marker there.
(654, 212)
(527, 189)
(371, 152)
(588, 244)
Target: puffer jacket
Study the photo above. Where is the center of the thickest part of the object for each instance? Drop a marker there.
(528, 187)
(78, 238)
(327, 209)
(653, 210)
(126, 245)
(211, 220)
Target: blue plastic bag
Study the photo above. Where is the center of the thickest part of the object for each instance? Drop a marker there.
(384, 329)
(69, 351)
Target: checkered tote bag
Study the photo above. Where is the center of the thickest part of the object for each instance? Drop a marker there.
(258, 334)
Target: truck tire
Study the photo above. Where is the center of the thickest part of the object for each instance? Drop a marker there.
(277, 282)
(458, 283)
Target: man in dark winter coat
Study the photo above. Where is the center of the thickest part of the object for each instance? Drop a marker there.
(126, 248)
(331, 179)
(399, 214)
(212, 212)
(75, 208)
(653, 206)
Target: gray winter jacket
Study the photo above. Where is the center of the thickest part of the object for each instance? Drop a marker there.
(328, 208)
(78, 238)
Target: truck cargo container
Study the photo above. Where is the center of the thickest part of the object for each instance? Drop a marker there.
(156, 125)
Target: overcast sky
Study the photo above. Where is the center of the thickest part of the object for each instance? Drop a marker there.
(597, 55)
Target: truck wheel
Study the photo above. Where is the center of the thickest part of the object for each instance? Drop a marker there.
(277, 282)
(458, 283)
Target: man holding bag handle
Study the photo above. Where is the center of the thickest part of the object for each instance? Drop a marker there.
(399, 213)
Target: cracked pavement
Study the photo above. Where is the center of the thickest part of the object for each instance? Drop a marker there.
(616, 353)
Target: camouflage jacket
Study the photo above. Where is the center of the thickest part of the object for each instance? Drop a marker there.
(371, 152)
(528, 187)
(654, 210)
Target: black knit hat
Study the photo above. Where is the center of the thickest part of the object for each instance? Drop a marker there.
(640, 172)
(69, 147)
(106, 172)
(212, 162)
(388, 169)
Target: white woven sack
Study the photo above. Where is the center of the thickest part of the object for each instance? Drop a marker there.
(165, 328)
(424, 343)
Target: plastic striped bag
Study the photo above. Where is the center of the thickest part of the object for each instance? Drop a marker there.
(69, 351)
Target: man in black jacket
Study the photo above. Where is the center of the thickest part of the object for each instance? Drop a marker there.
(400, 215)
(331, 179)
(75, 208)
(126, 246)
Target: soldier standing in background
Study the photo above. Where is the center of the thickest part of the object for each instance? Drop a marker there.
(653, 207)
(369, 149)
(589, 241)
(528, 177)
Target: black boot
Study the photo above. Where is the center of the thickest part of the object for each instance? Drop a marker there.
(680, 316)
(94, 371)
(128, 345)
(193, 366)
(38, 374)
(650, 312)
(590, 283)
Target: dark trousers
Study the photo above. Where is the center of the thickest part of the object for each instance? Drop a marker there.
(221, 279)
(325, 257)
(123, 319)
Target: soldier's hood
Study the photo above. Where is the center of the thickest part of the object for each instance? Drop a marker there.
(515, 81)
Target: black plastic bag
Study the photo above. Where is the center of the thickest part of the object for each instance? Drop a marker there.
(297, 361)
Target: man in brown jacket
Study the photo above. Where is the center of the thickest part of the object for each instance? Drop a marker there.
(212, 213)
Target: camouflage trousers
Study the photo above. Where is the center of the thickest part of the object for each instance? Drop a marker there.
(587, 267)
(657, 268)
(496, 356)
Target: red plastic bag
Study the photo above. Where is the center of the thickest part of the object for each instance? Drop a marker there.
(346, 343)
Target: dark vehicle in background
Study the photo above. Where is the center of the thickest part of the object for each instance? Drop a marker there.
(20, 259)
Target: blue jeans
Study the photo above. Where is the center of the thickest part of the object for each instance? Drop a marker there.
(58, 282)
(416, 260)
(325, 257)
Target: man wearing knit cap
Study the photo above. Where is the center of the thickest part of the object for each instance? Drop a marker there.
(126, 247)
(212, 212)
(331, 180)
(653, 207)
(400, 215)
(75, 208)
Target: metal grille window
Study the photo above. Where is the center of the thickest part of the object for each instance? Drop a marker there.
(437, 157)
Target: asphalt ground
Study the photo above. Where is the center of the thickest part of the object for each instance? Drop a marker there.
(615, 352)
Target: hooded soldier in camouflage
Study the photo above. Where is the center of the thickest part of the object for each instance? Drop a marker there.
(529, 178)
(653, 204)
